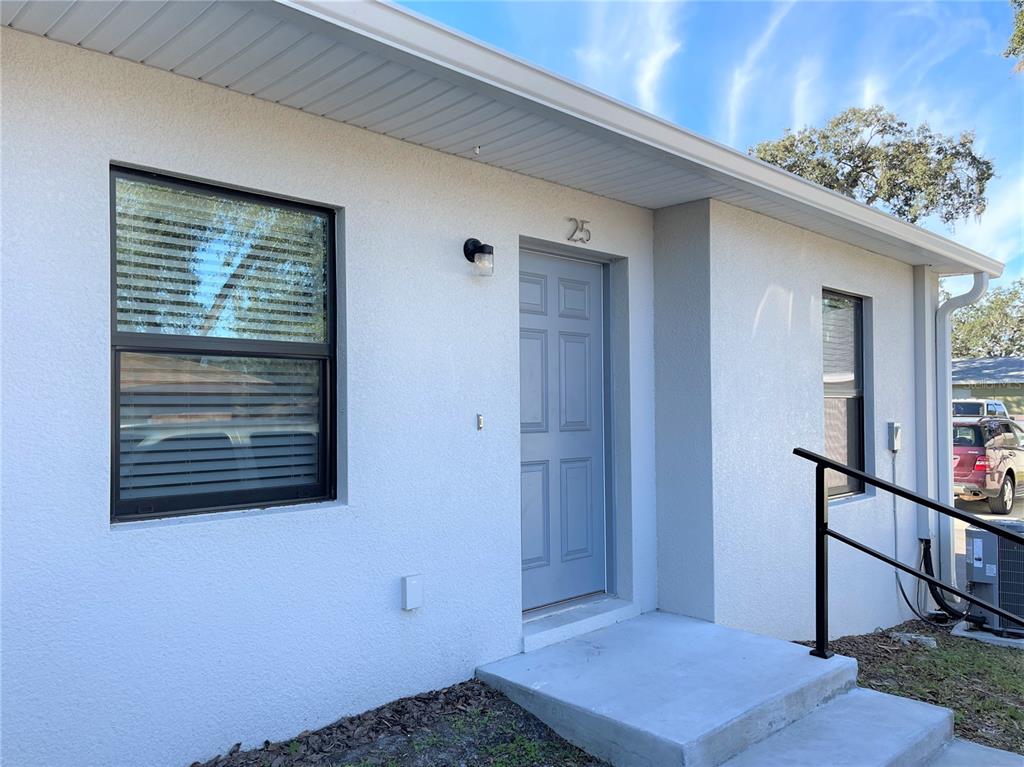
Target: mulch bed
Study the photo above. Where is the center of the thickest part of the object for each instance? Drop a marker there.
(982, 683)
(470, 725)
(466, 725)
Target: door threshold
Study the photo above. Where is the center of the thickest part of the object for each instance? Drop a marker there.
(566, 604)
(556, 623)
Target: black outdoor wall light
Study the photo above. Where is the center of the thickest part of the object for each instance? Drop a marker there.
(479, 254)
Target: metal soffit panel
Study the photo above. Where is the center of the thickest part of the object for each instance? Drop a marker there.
(291, 56)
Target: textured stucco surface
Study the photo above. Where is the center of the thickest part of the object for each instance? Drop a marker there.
(161, 642)
(685, 440)
(158, 643)
(766, 362)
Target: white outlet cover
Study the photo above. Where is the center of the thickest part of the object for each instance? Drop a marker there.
(412, 592)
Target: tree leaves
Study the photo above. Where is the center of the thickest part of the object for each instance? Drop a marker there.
(1015, 46)
(873, 156)
(992, 327)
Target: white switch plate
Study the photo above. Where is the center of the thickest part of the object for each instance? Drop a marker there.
(412, 592)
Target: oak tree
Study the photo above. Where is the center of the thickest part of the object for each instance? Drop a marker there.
(871, 155)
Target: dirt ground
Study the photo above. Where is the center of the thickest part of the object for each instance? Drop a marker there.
(466, 725)
(470, 725)
(983, 684)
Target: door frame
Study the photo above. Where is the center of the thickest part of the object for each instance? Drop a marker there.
(618, 512)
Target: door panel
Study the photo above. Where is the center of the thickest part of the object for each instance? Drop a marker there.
(533, 380)
(562, 399)
(536, 514)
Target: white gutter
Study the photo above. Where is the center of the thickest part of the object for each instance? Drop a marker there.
(926, 293)
(944, 414)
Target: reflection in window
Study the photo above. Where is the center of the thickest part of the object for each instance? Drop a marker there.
(193, 425)
(223, 348)
(843, 357)
(192, 263)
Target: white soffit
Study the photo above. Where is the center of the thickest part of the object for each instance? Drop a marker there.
(390, 71)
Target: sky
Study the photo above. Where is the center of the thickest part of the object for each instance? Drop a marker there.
(743, 72)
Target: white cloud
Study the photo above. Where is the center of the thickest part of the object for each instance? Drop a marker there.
(999, 233)
(872, 91)
(750, 70)
(626, 53)
(806, 93)
(949, 36)
(663, 47)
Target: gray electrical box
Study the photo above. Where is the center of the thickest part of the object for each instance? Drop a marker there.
(995, 573)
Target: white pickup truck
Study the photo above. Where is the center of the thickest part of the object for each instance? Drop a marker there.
(979, 408)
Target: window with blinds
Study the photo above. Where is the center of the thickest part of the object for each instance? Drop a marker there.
(224, 348)
(843, 356)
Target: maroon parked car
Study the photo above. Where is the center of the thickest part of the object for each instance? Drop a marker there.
(988, 461)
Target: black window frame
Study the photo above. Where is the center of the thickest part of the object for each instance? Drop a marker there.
(857, 393)
(160, 343)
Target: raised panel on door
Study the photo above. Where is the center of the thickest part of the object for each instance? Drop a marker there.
(533, 380)
(535, 488)
(576, 500)
(562, 405)
(574, 382)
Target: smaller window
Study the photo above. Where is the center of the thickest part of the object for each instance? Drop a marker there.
(1019, 434)
(967, 409)
(1007, 436)
(967, 436)
(843, 356)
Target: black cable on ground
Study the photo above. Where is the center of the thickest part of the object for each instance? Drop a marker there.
(921, 560)
(916, 610)
(936, 592)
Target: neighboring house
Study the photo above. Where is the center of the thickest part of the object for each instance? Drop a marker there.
(251, 382)
(991, 378)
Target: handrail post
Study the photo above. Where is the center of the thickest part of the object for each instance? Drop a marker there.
(821, 565)
(822, 532)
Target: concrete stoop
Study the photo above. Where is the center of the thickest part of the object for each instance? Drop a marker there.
(661, 690)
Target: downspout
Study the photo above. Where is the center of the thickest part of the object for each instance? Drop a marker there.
(944, 415)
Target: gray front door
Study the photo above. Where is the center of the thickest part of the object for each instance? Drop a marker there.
(561, 380)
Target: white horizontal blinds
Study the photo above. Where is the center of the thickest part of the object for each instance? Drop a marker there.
(840, 322)
(197, 424)
(192, 262)
(843, 378)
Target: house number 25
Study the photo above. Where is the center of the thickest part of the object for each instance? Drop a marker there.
(580, 232)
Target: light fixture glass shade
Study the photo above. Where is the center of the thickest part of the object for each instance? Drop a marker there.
(483, 261)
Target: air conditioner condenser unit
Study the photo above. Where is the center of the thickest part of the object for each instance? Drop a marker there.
(995, 573)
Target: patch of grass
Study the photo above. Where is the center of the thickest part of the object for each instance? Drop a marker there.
(982, 683)
(471, 721)
(523, 751)
(428, 740)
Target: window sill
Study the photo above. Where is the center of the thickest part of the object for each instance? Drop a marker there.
(228, 514)
(842, 501)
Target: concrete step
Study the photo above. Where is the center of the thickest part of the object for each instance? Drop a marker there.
(661, 689)
(963, 753)
(861, 728)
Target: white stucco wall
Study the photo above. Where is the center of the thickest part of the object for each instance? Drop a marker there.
(158, 643)
(767, 279)
(685, 440)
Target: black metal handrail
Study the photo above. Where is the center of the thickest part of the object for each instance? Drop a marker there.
(823, 532)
